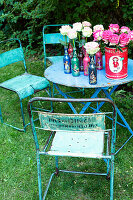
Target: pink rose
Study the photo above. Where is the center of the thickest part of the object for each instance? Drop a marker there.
(106, 35)
(125, 29)
(130, 34)
(124, 39)
(97, 35)
(114, 39)
(114, 28)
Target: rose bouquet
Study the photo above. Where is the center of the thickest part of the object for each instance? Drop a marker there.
(83, 32)
(79, 33)
(115, 36)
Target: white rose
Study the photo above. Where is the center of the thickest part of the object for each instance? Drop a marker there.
(77, 26)
(64, 29)
(92, 47)
(85, 23)
(72, 34)
(87, 31)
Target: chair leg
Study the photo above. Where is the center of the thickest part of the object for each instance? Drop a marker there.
(108, 169)
(111, 178)
(56, 163)
(50, 94)
(22, 113)
(39, 175)
(1, 115)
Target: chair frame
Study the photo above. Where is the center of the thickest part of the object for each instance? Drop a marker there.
(20, 58)
(48, 40)
(108, 158)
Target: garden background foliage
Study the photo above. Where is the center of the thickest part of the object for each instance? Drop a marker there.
(24, 19)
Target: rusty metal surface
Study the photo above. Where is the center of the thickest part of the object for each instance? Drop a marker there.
(73, 122)
(55, 73)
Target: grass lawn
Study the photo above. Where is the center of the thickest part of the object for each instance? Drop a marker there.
(18, 169)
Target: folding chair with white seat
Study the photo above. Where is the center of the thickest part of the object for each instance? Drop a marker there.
(76, 135)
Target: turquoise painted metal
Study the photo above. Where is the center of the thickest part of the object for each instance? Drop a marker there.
(52, 38)
(75, 135)
(23, 85)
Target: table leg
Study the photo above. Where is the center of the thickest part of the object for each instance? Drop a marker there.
(119, 113)
(125, 122)
(87, 104)
(65, 96)
(113, 89)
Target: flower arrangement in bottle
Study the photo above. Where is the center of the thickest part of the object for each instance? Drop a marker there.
(92, 48)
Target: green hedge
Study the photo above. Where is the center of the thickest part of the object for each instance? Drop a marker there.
(24, 19)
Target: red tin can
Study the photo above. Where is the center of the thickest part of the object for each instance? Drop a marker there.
(116, 63)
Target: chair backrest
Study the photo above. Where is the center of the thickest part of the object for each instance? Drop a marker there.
(72, 122)
(51, 38)
(13, 55)
(88, 123)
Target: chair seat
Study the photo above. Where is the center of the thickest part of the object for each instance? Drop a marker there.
(25, 84)
(78, 144)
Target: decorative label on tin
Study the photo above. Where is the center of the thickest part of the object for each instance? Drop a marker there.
(116, 64)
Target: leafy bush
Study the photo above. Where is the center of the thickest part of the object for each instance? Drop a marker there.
(25, 19)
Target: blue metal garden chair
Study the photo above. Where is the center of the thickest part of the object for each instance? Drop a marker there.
(23, 85)
(51, 37)
(75, 135)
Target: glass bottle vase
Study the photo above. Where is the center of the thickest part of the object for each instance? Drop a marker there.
(80, 57)
(99, 60)
(92, 72)
(67, 61)
(75, 64)
(86, 61)
(70, 51)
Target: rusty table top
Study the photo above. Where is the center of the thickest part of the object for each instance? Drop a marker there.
(55, 73)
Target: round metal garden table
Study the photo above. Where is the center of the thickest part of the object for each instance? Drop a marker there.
(55, 74)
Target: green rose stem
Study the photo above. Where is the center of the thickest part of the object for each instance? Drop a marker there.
(66, 39)
(79, 36)
(73, 44)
